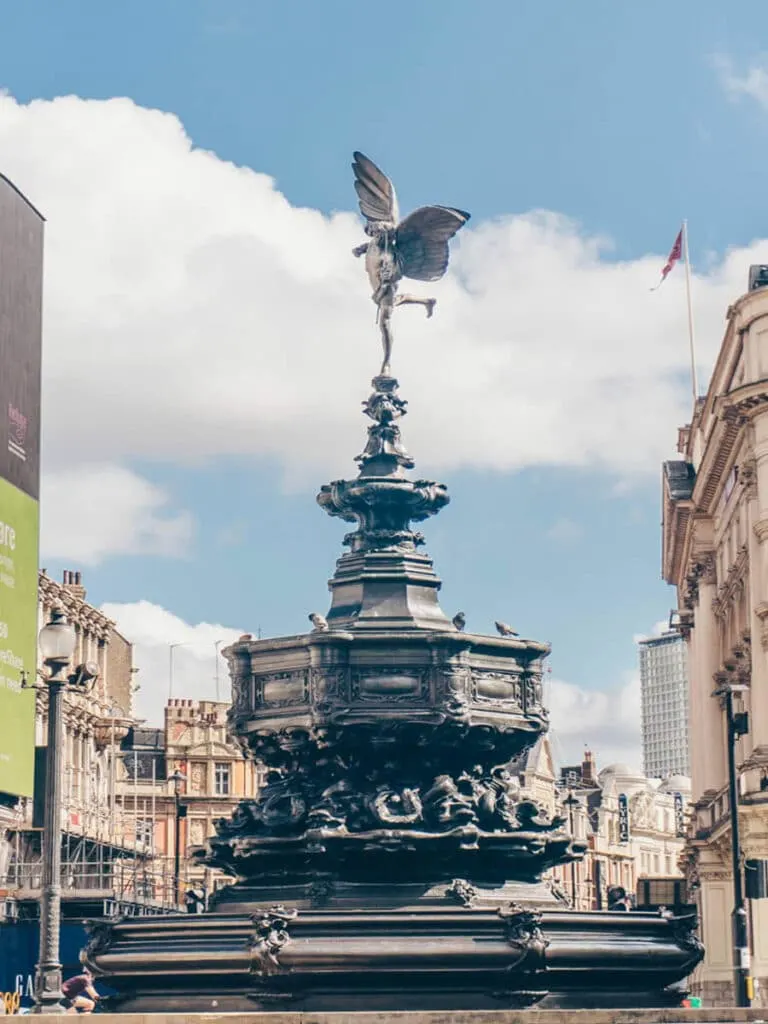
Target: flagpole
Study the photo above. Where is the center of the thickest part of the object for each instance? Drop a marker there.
(694, 379)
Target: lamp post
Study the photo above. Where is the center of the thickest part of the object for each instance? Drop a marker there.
(181, 812)
(570, 802)
(737, 724)
(57, 645)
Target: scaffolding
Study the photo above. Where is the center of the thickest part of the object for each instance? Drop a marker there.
(109, 842)
(93, 871)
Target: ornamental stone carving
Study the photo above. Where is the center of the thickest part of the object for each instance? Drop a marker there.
(270, 938)
(460, 891)
(761, 611)
(197, 777)
(706, 568)
(196, 832)
(315, 810)
(641, 810)
(523, 932)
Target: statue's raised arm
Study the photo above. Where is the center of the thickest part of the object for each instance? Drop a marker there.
(416, 247)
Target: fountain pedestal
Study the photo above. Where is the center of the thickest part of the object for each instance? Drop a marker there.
(390, 861)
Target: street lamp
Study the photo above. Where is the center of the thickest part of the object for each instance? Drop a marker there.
(570, 802)
(737, 723)
(181, 812)
(57, 645)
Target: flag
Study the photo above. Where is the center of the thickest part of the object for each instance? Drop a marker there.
(674, 255)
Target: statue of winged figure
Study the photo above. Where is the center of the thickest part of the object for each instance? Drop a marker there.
(416, 247)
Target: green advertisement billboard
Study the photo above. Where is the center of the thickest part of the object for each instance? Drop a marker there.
(18, 637)
(21, 288)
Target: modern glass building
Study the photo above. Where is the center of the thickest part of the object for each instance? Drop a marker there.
(664, 704)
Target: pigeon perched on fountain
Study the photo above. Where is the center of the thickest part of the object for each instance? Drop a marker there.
(504, 630)
(459, 621)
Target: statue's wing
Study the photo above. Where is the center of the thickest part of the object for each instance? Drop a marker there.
(422, 241)
(374, 190)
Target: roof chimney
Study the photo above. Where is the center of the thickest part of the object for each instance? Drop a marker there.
(72, 581)
(588, 773)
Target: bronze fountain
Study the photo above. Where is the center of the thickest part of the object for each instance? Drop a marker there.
(390, 860)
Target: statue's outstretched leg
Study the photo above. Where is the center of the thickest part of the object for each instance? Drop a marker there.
(413, 300)
(386, 340)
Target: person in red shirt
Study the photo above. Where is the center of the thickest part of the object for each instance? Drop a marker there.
(79, 994)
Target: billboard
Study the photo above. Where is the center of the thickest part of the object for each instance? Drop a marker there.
(21, 287)
(19, 949)
(624, 835)
(680, 829)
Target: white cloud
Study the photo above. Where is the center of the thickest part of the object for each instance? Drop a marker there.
(196, 314)
(752, 82)
(91, 512)
(606, 722)
(152, 629)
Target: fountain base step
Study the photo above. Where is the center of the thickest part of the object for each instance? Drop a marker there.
(420, 958)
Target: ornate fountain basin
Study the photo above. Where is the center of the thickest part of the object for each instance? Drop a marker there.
(484, 692)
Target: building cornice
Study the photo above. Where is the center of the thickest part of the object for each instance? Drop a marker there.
(77, 610)
(716, 462)
(743, 403)
(674, 536)
(741, 315)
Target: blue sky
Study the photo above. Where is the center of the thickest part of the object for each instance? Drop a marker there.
(610, 113)
(622, 118)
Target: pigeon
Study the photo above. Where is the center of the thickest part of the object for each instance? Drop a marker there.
(459, 621)
(319, 622)
(505, 630)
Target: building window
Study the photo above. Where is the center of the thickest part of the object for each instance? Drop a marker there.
(145, 832)
(221, 779)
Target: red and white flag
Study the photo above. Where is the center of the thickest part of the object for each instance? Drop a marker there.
(674, 255)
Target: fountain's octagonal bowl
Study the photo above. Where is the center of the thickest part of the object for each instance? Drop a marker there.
(388, 753)
(479, 695)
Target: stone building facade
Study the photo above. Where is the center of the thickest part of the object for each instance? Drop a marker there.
(195, 743)
(538, 775)
(95, 859)
(589, 801)
(645, 847)
(715, 528)
(92, 715)
(119, 807)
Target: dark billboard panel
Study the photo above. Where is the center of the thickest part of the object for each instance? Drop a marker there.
(21, 299)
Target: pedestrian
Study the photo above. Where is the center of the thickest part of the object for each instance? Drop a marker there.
(79, 994)
(618, 899)
(194, 901)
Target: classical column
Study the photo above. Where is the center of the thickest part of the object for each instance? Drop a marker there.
(708, 738)
(754, 476)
